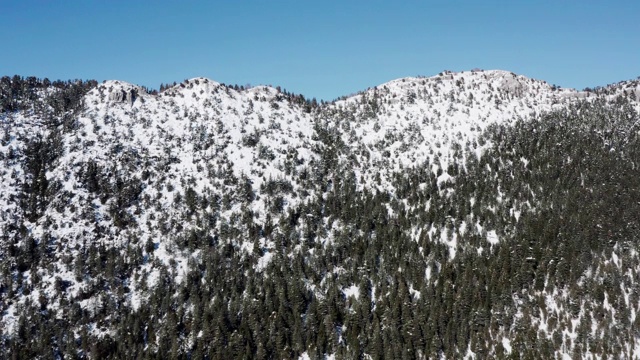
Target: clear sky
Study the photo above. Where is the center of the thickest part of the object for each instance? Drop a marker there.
(322, 49)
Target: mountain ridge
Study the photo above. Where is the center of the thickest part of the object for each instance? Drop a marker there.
(253, 177)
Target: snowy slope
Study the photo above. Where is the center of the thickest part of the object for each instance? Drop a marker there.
(411, 121)
(140, 172)
(197, 134)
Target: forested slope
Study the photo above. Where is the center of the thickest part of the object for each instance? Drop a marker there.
(476, 214)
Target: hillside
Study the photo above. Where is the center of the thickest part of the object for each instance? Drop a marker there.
(477, 214)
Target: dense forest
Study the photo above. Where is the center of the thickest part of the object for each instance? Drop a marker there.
(517, 240)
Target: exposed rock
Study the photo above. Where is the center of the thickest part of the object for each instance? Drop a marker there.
(121, 95)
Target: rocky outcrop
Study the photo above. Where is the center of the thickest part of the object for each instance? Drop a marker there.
(121, 95)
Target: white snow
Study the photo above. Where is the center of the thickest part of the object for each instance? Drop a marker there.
(506, 343)
(352, 290)
(492, 237)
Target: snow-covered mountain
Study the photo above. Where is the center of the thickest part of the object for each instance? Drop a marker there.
(130, 191)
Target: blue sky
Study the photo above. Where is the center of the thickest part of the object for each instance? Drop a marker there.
(322, 49)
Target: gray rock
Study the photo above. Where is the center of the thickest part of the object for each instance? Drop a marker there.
(121, 96)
